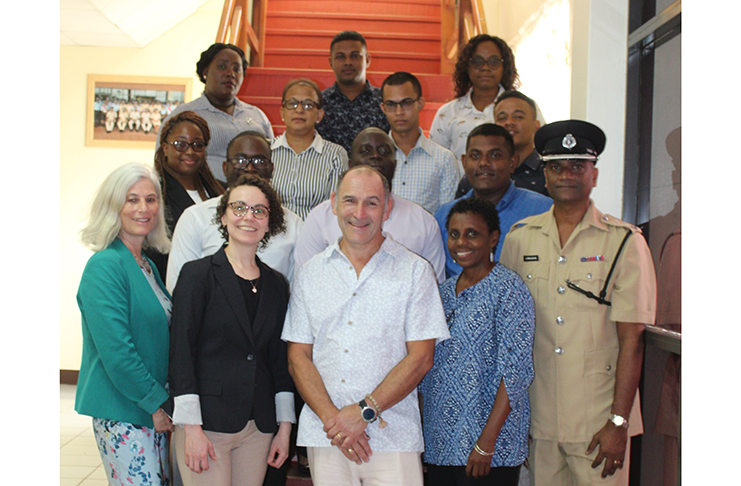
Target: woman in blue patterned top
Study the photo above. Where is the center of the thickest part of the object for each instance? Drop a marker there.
(475, 404)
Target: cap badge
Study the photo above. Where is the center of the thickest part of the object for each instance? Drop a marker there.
(569, 141)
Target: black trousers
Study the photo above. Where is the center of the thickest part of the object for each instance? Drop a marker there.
(456, 476)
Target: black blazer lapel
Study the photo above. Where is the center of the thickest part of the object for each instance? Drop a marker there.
(227, 281)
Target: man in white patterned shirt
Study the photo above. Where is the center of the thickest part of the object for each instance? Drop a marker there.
(361, 328)
(426, 173)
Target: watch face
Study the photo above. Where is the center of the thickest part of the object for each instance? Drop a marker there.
(618, 420)
(368, 414)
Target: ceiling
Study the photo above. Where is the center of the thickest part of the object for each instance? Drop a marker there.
(120, 23)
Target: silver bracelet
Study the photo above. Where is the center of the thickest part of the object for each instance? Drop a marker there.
(481, 451)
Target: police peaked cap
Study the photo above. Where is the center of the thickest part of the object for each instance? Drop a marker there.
(570, 139)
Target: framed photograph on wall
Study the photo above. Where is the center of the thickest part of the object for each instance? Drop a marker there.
(127, 111)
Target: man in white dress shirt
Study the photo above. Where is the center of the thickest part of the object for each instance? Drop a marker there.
(426, 173)
(408, 224)
(196, 235)
(361, 327)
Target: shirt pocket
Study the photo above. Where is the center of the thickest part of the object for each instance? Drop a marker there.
(590, 278)
(535, 275)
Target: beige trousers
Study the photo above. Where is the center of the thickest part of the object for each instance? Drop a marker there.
(329, 467)
(241, 458)
(566, 464)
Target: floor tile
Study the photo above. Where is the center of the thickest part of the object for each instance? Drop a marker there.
(94, 482)
(98, 473)
(80, 460)
(80, 472)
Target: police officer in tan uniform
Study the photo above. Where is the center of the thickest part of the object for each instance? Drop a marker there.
(593, 282)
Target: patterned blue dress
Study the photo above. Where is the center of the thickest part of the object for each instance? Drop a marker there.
(491, 326)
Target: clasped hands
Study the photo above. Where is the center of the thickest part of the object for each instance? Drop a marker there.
(347, 431)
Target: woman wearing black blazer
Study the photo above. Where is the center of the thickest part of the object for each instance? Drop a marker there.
(185, 177)
(228, 365)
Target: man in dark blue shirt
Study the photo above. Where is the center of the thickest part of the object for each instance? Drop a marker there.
(351, 104)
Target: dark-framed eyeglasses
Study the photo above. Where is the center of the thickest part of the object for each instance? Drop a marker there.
(306, 104)
(182, 145)
(477, 62)
(240, 162)
(406, 104)
(239, 209)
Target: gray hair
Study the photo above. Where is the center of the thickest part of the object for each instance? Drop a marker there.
(355, 168)
(104, 221)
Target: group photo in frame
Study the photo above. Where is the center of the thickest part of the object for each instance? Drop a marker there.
(127, 111)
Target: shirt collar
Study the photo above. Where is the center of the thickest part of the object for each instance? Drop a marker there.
(317, 144)
(466, 105)
(422, 142)
(336, 91)
(239, 106)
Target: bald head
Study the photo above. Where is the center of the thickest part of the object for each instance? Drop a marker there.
(373, 147)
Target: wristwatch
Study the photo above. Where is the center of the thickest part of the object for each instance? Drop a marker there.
(619, 421)
(367, 412)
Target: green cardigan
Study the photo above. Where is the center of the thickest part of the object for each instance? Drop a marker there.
(125, 340)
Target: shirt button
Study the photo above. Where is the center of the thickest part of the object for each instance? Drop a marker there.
(347, 351)
(560, 320)
(529, 275)
(562, 259)
(250, 357)
(589, 275)
(342, 381)
(561, 290)
(349, 323)
(609, 367)
(559, 350)
(354, 294)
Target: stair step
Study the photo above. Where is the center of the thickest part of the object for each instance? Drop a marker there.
(404, 7)
(377, 41)
(269, 82)
(382, 61)
(343, 21)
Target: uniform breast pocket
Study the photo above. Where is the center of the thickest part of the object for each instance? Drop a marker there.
(589, 278)
(536, 275)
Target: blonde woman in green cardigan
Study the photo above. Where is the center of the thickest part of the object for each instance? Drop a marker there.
(125, 329)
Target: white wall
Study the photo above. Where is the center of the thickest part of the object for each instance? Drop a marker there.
(599, 50)
(83, 168)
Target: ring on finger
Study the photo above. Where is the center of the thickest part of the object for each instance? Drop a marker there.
(350, 450)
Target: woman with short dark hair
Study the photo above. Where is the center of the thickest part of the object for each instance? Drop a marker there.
(228, 365)
(221, 68)
(475, 406)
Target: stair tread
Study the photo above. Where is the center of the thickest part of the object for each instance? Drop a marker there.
(367, 35)
(355, 16)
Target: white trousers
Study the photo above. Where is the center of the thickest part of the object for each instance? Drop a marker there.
(329, 467)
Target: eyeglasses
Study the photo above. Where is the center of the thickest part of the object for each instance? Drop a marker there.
(576, 168)
(406, 104)
(307, 104)
(477, 62)
(182, 145)
(241, 162)
(240, 209)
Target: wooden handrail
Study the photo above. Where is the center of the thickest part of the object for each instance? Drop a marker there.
(460, 22)
(234, 28)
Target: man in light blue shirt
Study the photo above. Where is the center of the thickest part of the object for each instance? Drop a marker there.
(489, 161)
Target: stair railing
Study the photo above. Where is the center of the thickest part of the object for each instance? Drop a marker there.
(234, 28)
(461, 20)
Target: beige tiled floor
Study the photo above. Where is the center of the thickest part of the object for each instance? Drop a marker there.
(79, 460)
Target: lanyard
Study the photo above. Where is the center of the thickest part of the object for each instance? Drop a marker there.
(601, 298)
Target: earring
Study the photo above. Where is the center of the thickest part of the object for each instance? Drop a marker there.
(491, 256)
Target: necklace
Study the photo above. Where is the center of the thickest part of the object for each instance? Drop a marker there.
(252, 282)
(143, 264)
(241, 272)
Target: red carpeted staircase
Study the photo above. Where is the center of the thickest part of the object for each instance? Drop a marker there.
(402, 35)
